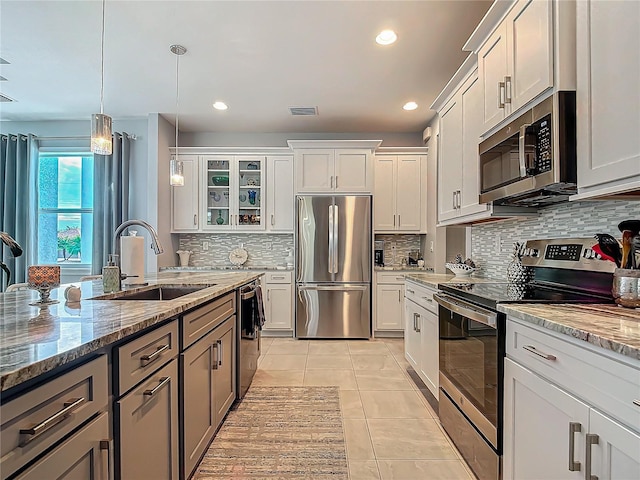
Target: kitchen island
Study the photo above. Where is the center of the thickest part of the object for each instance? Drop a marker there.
(118, 388)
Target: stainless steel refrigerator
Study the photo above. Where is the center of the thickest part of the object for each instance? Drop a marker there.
(333, 267)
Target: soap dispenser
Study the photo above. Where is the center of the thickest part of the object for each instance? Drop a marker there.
(111, 275)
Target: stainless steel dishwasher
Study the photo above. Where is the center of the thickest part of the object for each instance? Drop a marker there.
(249, 326)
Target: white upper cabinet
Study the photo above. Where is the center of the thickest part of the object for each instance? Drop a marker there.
(529, 51)
(608, 97)
(234, 192)
(280, 193)
(450, 159)
(184, 200)
(493, 70)
(525, 51)
(326, 166)
(398, 193)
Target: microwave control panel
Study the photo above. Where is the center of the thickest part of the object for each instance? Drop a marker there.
(543, 145)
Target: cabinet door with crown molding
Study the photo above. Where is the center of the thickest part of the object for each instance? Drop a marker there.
(384, 193)
(280, 197)
(314, 170)
(409, 196)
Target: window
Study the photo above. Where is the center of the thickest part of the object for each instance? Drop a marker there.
(65, 209)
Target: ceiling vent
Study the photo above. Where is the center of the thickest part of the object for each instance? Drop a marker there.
(304, 111)
(4, 99)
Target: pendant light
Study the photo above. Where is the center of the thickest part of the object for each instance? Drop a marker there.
(176, 178)
(101, 142)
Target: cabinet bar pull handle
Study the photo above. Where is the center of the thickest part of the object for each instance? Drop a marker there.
(195, 219)
(214, 354)
(410, 291)
(400, 278)
(163, 382)
(69, 408)
(399, 293)
(394, 220)
(331, 181)
(591, 439)
(454, 200)
(278, 277)
(574, 427)
(414, 322)
(507, 89)
(532, 349)
(152, 357)
(219, 352)
(399, 222)
(268, 293)
(501, 93)
(336, 181)
(428, 299)
(418, 322)
(106, 459)
(459, 199)
(636, 402)
(272, 224)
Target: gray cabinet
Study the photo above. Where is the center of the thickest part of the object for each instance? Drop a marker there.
(147, 422)
(208, 384)
(83, 456)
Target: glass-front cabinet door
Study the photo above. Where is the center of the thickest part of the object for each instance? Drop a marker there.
(219, 201)
(234, 192)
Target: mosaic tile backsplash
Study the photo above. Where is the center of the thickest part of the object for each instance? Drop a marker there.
(571, 219)
(265, 250)
(397, 247)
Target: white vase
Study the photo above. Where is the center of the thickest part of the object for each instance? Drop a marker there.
(184, 257)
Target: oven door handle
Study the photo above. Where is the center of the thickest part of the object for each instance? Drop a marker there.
(467, 310)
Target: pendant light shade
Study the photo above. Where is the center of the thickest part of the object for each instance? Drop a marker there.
(176, 173)
(101, 143)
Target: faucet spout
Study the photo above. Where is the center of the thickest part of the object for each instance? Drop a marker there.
(155, 242)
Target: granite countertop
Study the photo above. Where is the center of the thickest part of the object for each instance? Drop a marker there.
(433, 279)
(607, 326)
(400, 268)
(227, 267)
(34, 341)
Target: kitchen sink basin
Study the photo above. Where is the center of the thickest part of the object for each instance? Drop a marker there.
(160, 292)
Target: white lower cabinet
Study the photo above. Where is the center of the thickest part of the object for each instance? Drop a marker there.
(560, 401)
(277, 295)
(389, 307)
(421, 334)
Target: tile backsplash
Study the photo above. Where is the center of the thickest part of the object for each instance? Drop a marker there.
(566, 220)
(397, 247)
(265, 250)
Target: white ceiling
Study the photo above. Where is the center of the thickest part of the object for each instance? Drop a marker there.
(260, 57)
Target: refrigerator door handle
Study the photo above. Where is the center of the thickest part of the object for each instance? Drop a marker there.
(331, 240)
(340, 288)
(336, 222)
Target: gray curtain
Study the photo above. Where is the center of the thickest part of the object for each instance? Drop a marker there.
(18, 194)
(110, 198)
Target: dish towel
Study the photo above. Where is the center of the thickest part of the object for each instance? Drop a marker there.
(260, 306)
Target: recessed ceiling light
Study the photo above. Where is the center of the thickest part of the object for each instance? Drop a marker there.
(410, 106)
(220, 106)
(386, 37)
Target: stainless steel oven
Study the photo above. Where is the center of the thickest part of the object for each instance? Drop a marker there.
(471, 342)
(532, 160)
(248, 333)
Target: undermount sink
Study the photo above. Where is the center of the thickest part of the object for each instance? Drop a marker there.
(161, 292)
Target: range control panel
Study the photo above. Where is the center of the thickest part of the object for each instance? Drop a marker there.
(566, 253)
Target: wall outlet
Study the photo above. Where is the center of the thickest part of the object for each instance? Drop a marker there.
(431, 246)
(205, 246)
(502, 244)
(268, 245)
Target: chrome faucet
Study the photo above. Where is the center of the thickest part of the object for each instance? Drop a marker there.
(155, 243)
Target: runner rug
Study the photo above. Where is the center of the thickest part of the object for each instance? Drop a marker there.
(280, 433)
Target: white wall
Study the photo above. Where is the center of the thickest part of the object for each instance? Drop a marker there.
(213, 139)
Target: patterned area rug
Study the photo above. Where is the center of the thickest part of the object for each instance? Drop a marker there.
(280, 433)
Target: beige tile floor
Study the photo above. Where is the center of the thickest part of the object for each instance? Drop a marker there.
(390, 430)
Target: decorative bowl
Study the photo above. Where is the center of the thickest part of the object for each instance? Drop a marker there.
(460, 269)
(220, 181)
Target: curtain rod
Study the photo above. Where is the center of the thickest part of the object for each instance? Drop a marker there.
(82, 137)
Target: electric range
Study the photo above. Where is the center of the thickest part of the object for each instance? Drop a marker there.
(472, 339)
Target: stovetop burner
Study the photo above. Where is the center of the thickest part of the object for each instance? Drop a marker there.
(491, 294)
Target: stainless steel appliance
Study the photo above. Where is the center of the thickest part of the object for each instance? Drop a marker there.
(472, 339)
(333, 267)
(378, 253)
(248, 333)
(532, 160)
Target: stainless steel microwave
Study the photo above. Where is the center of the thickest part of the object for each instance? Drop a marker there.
(532, 160)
